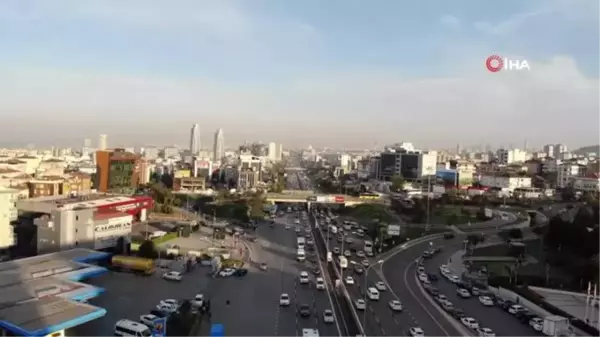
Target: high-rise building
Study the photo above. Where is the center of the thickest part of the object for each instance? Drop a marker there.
(195, 139)
(118, 171)
(219, 146)
(275, 151)
(103, 142)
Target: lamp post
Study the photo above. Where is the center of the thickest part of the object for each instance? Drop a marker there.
(428, 197)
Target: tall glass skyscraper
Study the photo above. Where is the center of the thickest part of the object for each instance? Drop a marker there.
(219, 146)
(195, 140)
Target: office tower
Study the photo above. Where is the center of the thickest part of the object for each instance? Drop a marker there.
(219, 146)
(275, 151)
(195, 139)
(87, 143)
(102, 142)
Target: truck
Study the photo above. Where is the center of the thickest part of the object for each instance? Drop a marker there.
(556, 326)
(132, 263)
(343, 262)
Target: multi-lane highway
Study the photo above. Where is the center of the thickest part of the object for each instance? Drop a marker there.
(277, 248)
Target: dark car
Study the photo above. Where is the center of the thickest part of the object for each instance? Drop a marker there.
(426, 255)
(316, 271)
(432, 277)
(458, 313)
(525, 316)
(241, 272)
(304, 310)
(449, 236)
(358, 269)
(159, 313)
(506, 305)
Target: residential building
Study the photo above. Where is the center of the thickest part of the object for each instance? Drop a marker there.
(8, 213)
(549, 151)
(171, 152)
(195, 139)
(45, 186)
(192, 184)
(374, 167)
(103, 142)
(505, 181)
(250, 162)
(533, 166)
(145, 171)
(117, 171)
(590, 183)
(202, 168)
(511, 156)
(151, 152)
(77, 183)
(248, 178)
(567, 171)
(406, 162)
(219, 146)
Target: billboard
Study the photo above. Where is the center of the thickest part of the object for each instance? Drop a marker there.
(321, 198)
(449, 177)
(107, 235)
(393, 230)
(339, 199)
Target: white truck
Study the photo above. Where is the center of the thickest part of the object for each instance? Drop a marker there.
(556, 326)
(310, 333)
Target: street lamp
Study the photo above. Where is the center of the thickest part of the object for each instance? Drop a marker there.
(366, 286)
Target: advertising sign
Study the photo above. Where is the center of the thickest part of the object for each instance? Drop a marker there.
(339, 198)
(311, 198)
(321, 198)
(107, 235)
(393, 230)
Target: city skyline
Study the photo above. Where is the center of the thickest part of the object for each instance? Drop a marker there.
(280, 72)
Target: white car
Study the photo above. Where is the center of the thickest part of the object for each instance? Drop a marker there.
(166, 308)
(423, 277)
(462, 292)
(310, 242)
(396, 305)
(349, 280)
(454, 279)
(470, 322)
(328, 316)
(360, 304)
(227, 272)
(284, 300)
(173, 276)
(485, 332)
(347, 253)
(320, 283)
(515, 309)
(171, 302)
(198, 300)
(148, 319)
(287, 226)
(360, 253)
(365, 263)
(486, 300)
(304, 277)
(444, 269)
(380, 286)
(297, 222)
(536, 323)
(416, 332)
(297, 229)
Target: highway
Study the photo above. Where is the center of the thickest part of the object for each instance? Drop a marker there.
(501, 322)
(277, 247)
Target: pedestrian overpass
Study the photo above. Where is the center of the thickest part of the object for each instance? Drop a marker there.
(311, 198)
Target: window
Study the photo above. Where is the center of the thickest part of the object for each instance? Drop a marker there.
(76, 243)
(77, 218)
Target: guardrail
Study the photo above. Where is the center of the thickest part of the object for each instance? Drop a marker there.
(353, 326)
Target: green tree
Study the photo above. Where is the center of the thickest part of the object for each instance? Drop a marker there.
(147, 250)
(397, 183)
(256, 208)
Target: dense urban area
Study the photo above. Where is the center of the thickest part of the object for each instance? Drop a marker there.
(261, 240)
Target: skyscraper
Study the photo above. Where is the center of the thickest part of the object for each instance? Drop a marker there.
(103, 142)
(195, 140)
(219, 145)
(275, 151)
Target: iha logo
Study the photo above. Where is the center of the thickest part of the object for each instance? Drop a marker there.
(496, 63)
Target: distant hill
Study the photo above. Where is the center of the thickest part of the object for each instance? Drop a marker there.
(587, 149)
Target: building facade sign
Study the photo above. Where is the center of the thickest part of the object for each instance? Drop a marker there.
(107, 235)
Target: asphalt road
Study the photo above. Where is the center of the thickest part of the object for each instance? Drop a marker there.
(277, 247)
(501, 322)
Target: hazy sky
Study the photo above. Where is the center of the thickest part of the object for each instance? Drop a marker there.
(299, 72)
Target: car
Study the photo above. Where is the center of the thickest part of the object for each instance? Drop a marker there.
(447, 305)
(171, 302)
(370, 253)
(449, 236)
(304, 310)
(453, 278)
(475, 291)
(263, 266)
(444, 269)
(462, 292)
(336, 250)
(358, 269)
(441, 298)
(307, 235)
(423, 277)
(485, 332)
(515, 309)
(240, 272)
(310, 242)
(347, 253)
(349, 280)
(316, 271)
(380, 286)
(365, 263)
(416, 332)
(173, 276)
(320, 283)
(426, 254)
(166, 308)
(360, 304)
(360, 253)
(304, 277)
(328, 316)
(487, 301)
(297, 222)
(227, 272)
(536, 323)
(307, 230)
(458, 313)
(349, 240)
(395, 305)
(198, 300)
(159, 313)
(421, 269)
(470, 322)
(148, 319)
(297, 229)
(506, 304)
(284, 300)
(526, 316)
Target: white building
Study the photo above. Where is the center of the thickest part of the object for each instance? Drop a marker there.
(410, 165)
(275, 151)
(8, 213)
(345, 160)
(219, 146)
(586, 184)
(151, 152)
(566, 172)
(511, 156)
(103, 142)
(195, 139)
(505, 182)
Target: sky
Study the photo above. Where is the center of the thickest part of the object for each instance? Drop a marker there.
(339, 73)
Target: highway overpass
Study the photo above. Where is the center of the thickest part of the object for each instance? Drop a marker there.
(338, 199)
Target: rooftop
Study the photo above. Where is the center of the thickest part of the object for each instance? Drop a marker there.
(571, 302)
(38, 294)
(109, 215)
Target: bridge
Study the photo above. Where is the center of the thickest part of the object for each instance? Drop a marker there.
(303, 196)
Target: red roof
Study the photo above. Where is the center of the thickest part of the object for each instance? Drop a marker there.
(109, 215)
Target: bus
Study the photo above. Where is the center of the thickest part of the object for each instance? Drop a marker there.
(369, 195)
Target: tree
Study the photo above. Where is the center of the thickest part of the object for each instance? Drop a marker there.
(256, 208)
(147, 250)
(397, 183)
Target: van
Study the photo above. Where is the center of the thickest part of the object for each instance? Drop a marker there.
(373, 294)
(127, 327)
